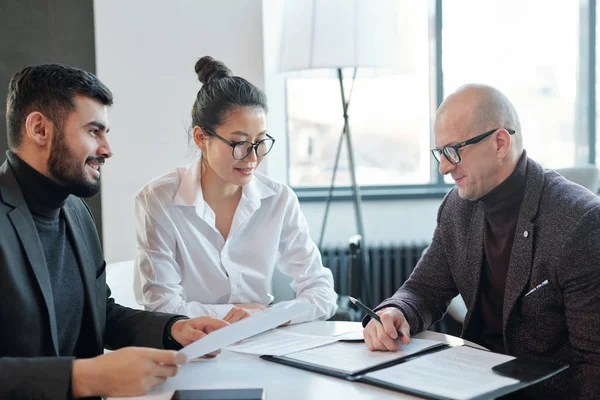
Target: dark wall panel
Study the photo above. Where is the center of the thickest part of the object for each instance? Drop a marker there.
(45, 31)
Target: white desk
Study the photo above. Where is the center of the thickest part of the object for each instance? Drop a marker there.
(235, 370)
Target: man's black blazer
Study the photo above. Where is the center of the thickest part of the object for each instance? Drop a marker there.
(30, 366)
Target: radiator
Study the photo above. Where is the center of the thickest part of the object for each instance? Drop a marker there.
(389, 267)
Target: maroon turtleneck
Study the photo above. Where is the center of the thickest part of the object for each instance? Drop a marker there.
(501, 209)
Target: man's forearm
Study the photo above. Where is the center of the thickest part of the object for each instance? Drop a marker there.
(82, 378)
(39, 377)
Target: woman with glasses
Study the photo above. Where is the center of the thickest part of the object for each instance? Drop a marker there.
(210, 235)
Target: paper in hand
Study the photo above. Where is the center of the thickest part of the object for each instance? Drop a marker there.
(279, 342)
(267, 319)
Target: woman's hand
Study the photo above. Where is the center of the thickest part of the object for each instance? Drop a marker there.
(242, 310)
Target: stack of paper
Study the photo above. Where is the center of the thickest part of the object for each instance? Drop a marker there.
(270, 318)
(279, 343)
(459, 373)
(351, 358)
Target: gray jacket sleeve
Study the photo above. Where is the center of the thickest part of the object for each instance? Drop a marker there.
(580, 279)
(424, 297)
(50, 377)
(35, 378)
(129, 327)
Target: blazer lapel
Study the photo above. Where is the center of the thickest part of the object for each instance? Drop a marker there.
(521, 259)
(25, 227)
(84, 260)
(23, 223)
(474, 259)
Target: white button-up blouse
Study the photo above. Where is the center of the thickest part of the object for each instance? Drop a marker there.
(184, 266)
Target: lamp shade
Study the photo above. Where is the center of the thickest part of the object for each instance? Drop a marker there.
(339, 33)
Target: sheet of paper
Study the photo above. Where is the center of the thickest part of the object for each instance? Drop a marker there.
(351, 358)
(270, 318)
(355, 336)
(459, 373)
(278, 343)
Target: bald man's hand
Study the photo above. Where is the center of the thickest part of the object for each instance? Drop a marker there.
(382, 336)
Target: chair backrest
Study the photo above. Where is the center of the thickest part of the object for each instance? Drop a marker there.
(280, 287)
(119, 277)
(587, 176)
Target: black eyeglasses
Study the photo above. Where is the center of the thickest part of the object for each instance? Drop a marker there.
(451, 152)
(241, 150)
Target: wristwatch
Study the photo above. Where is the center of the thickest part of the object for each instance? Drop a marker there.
(169, 343)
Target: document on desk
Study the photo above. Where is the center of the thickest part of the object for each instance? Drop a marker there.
(351, 358)
(354, 336)
(260, 322)
(459, 373)
(278, 342)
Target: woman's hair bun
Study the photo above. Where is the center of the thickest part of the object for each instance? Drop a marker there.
(208, 68)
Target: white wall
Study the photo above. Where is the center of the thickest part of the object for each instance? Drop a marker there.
(389, 221)
(275, 165)
(145, 52)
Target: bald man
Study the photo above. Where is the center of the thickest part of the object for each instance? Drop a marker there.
(507, 227)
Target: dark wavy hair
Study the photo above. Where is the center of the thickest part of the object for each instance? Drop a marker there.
(49, 89)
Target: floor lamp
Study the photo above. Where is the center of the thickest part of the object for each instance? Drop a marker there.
(338, 34)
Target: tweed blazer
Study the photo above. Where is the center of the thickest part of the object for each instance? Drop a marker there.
(557, 238)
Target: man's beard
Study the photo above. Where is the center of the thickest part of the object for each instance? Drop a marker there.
(65, 168)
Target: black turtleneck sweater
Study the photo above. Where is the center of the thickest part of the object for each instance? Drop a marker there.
(501, 209)
(45, 200)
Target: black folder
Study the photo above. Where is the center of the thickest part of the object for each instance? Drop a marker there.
(527, 372)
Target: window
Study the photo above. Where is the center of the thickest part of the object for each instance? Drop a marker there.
(529, 51)
(389, 119)
(534, 53)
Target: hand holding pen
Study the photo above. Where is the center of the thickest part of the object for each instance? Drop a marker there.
(385, 327)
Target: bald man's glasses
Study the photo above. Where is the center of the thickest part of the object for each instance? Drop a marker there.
(451, 151)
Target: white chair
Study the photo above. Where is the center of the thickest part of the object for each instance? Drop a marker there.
(119, 277)
(280, 287)
(458, 309)
(587, 176)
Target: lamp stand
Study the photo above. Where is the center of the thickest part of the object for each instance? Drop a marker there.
(356, 199)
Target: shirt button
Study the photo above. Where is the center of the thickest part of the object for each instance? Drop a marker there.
(525, 234)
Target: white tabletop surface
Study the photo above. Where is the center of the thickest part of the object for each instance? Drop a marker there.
(236, 370)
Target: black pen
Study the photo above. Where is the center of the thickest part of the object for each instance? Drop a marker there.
(370, 312)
